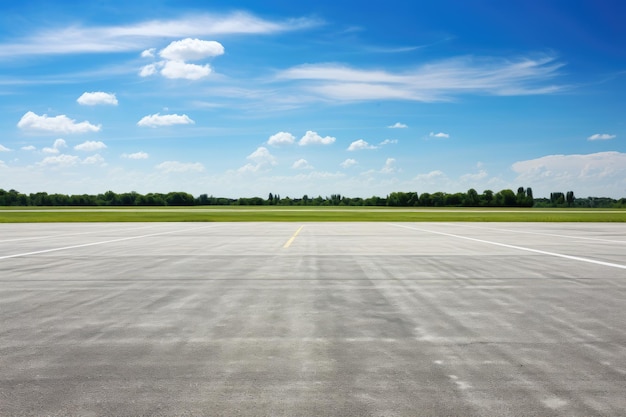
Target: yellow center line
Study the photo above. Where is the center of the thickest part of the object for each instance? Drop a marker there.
(290, 241)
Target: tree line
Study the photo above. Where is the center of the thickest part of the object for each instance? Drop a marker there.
(471, 198)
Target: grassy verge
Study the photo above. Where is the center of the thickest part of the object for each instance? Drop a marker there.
(302, 214)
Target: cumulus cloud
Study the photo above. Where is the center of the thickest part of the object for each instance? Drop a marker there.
(301, 164)
(261, 159)
(390, 166)
(148, 53)
(439, 135)
(60, 124)
(348, 163)
(596, 174)
(601, 136)
(398, 125)
(28, 148)
(90, 146)
(176, 166)
(262, 156)
(281, 138)
(179, 69)
(359, 145)
(93, 160)
(62, 160)
(312, 138)
(388, 142)
(136, 155)
(157, 120)
(4, 149)
(56, 147)
(191, 50)
(148, 70)
(97, 97)
(432, 175)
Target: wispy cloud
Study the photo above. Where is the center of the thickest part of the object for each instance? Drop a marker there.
(4, 149)
(140, 35)
(439, 135)
(136, 155)
(388, 142)
(601, 136)
(176, 166)
(437, 81)
(398, 125)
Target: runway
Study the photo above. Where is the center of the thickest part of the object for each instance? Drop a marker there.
(313, 319)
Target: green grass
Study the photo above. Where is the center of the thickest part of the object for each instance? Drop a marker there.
(302, 214)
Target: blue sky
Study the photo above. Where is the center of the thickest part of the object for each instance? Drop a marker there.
(244, 98)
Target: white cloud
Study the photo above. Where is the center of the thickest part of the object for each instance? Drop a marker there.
(439, 135)
(301, 164)
(56, 147)
(157, 119)
(431, 82)
(398, 125)
(390, 166)
(132, 37)
(262, 156)
(482, 174)
(359, 145)
(281, 138)
(432, 175)
(90, 146)
(348, 163)
(61, 124)
(178, 69)
(601, 136)
(93, 160)
(191, 50)
(262, 159)
(136, 155)
(388, 142)
(62, 160)
(597, 174)
(148, 53)
(28, 148)
(97, 97)
(4, 149)
(312, 138)
(148, 70)
(175, 166)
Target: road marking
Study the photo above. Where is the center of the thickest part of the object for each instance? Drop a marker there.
(71, 234)
(291, 239)
(545, 234)
(560, 255)
(17, 255)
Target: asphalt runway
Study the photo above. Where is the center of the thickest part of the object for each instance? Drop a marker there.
(313, 319)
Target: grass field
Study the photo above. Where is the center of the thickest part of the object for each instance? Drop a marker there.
(302, 214)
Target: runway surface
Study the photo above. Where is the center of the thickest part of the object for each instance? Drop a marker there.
(313, 319)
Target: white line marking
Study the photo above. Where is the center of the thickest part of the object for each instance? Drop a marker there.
(575, 258)
(17, 255)
(71, 234)
(545, 234)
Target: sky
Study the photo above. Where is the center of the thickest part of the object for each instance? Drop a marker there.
(246, 98)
